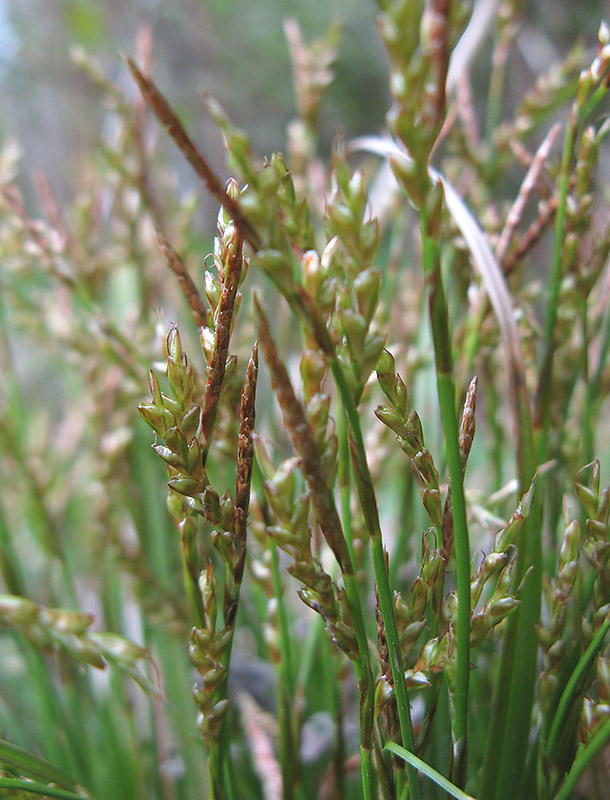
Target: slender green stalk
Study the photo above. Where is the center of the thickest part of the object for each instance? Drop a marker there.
(333, 682)
(364, 676)
(285, 640)
(287, 678)
(216, 769)
(344, 477)
(572, 689)
(578, 117)
(591, 750)
(446, 394)
(428, 771)
(174, 665)
(288, 756)
(517, 675)
(368, 503)
(326, 513)
(588, 424)
(29, 787)
(227, 765)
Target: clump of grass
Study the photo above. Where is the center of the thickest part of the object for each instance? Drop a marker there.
(422, 548)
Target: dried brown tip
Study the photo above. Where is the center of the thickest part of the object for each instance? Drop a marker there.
(303, 442)
(165, 114)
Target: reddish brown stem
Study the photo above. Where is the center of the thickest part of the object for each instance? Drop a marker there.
(190, 291)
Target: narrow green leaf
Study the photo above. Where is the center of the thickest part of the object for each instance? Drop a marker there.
(574, 688)
(427, 770)
(40, 788)
(593, 748)
(32, 766)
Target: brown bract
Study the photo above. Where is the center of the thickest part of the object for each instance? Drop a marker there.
(303, 442)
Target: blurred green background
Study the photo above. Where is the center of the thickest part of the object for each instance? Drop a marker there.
(234, 49)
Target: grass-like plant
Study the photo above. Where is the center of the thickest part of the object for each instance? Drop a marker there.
(349, 593)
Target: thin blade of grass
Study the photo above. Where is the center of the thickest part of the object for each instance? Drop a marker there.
(593, 748)
(574, 687)
(32, 766)
(427, 770)
(15, 784)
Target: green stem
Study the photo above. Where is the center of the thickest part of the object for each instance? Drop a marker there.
(573, 688)
(334, 692)
(593, 748)
(587, 412)
(352, 588)
(215, 767)
(577, 119)
(446, 394)
(288, 722)
(344, 477)
(368, 504)
(518, 673)
(288, 759)
(29, 787)
(284, 625)
(366, 685)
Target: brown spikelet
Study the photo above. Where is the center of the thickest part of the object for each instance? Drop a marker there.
(532, 235)
(245, 457)
(165, 114)
(382, 642)
(224, 318)
(466, 437)
(303, 442)
(438, 29)
(468, 424)
(530, 182)
(178, 267)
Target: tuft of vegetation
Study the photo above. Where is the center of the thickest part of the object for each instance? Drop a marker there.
(368, 554)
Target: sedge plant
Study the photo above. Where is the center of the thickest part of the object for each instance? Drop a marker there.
(367, 553)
